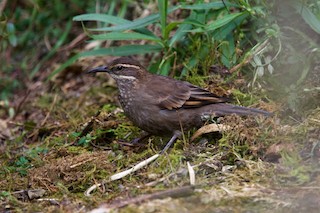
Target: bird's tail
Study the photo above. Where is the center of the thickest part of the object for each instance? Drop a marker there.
(222, 109)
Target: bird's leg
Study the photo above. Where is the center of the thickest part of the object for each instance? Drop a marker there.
(175, 136)
(143, 137)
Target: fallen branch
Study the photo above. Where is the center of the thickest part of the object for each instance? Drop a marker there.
(183, 191)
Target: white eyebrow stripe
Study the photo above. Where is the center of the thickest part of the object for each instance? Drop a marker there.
(128, 65)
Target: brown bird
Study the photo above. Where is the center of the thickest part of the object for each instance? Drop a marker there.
(162, 105)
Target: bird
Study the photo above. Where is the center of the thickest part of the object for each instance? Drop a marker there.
(164, 106)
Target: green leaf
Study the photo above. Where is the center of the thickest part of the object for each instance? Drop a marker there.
(112, 5)
(10, 28)
(101, 17)
(201, 16)
(169, 28)
(308, 16)
(183, 29)
(82, 141)
(125, 36)
(23, 162)
(114, 51)
(223, 21)
(138, 23)
(108, 19)
(228, 57)
(180, 33)
(205, 6)
(163, 9)
(193, 22)
(123, 9)
(13, 40)
(165, 67)
(192, 62)
(11, 34)
(224, 31)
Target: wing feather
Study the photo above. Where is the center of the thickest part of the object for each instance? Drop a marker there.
(180, 94)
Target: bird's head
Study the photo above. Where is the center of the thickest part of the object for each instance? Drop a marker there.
(123, 68)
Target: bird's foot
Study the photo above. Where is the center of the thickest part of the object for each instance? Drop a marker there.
(175, 136)
(135, 142)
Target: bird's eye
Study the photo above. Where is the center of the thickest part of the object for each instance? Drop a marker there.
(119, 67)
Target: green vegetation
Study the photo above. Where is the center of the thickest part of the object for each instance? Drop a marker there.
(62, 131)
(178, 39)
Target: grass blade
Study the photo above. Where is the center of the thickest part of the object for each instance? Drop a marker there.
(180, 33)
(101, 17)
(206, 6)
(224, 31)
(308, 16)
(223, 21)
(163, 7)
(125, 36)
(110, 20)
(138, 23)
(183, 29)
(228, 56)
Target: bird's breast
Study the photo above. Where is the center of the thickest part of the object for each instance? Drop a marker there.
(126, 93)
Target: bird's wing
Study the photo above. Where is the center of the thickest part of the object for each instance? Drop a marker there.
(178, 94)
(200, 97)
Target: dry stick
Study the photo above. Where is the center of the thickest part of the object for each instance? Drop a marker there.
(50, 110)
(191, 174)
(177, 172)
(81, 163)
(52, 201)
(74, 42)
(173, 193)
(88, 127)
(124, 173)
(21, 103)
(100, 147)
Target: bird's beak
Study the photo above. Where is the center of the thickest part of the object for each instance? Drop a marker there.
(99, 69)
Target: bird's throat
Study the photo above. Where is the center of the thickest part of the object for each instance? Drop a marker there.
(123, 77)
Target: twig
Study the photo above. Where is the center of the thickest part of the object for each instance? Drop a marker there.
(82, 162)
(88, 127)
(191, 174)
(50, 110)
(184, 191)
(74, 42)
(134, 168)
(124, 173)
(21, 103)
